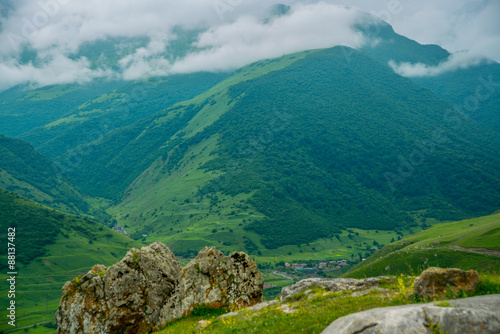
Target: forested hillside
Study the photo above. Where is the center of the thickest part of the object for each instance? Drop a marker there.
(28, 173)
(318, 144)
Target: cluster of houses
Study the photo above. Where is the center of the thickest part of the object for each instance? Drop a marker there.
(332, 265)
(118, 228)
(267, 286)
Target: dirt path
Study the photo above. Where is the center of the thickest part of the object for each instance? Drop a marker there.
(478, 250)
(29, 326)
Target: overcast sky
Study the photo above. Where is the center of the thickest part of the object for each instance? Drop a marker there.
(236, 33)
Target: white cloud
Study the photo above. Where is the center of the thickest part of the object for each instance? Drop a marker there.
(460, 60)
(147, 60)
(234, 35)
(248, 39)
(57, 69)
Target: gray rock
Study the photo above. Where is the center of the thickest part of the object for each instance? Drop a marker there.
(332, 284)
(365, 292)
(218, 281)
(202, 324)
(125, 295)
(434, 282)
(228, 315)
(285, 308)
(149, 288)
(469, 315)
(262, 305)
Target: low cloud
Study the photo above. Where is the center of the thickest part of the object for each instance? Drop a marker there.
(228, 39)
(249, 39)
(460, 60)
(231, 33)
(56, 69)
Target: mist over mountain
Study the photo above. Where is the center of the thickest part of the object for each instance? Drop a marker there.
(284, 151)
(58, 42)
(311, 132)
(306, 145)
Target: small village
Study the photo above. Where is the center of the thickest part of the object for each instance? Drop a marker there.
(297, 271)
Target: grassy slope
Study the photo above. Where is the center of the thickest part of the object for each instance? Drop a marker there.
(314, 312)
(23, 109)
(155, 204)
(159, 201)
(480, 237)
(51, 248)
(115, 109)
(26, 172)
(456, 87)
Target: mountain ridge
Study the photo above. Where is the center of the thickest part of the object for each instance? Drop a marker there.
(249, 114)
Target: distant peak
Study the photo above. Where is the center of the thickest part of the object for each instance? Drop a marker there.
(275, 11)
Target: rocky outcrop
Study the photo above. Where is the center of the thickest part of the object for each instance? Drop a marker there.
(435, 282)
(149, 288)
(217, 281)
(469, 315)
(333, 284)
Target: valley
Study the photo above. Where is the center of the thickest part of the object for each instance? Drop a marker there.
(325, 162)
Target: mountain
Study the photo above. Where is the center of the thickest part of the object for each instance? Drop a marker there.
(28, 173)
(23, 108)
(293, 149)
(58, 118)
(473, 91)
(467, 244)
(51, 248)
(279, 154)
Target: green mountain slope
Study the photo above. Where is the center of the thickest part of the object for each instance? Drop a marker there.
(23, 109)
(116, 161)
(51, 248)
(385, 45)
(294, 149)
(113, 109)
(28, 173)
(468, 244)
(474, 91)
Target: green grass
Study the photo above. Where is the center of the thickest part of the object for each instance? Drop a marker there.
(288, 198)
(51, 248)
(52, 92)
(468, 244)
(313, 314)
(39, 284)
(163, 207)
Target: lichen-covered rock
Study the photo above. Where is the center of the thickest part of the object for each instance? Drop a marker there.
(218, 281)
(121, 298)
(434, 282)
(469, 315)
(333, 284)
(148, 288)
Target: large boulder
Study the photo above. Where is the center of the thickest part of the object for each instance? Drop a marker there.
(218, 281)
(149, 288)
(469, 315)
(333, 284)
(435, 282)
